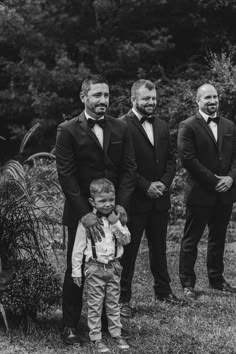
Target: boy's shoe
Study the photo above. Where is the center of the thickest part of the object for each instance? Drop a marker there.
(70, 336)
(125, 310)
(101, 347)
(189, 294)
(121, 343)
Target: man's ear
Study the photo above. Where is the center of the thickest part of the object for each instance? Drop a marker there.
(132, 98)
(91, 201)
(82, 96)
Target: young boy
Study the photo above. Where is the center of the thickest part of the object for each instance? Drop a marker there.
(102, 267)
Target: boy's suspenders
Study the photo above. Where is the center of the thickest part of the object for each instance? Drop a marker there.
(94, 248)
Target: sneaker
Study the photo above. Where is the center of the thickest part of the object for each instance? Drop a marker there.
(101, 347)
(121, 343)
(125, 310)
(69, 336)
(189, 294)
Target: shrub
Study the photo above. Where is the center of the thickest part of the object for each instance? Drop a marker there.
(35, 288)
(29, 221)
(177, 211)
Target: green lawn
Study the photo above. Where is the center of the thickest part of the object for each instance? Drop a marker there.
(208, 326)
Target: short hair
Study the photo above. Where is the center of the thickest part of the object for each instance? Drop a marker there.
(101, 185)
(91, 80)
(142, 82)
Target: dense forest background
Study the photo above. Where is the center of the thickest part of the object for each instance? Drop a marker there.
(47, 47)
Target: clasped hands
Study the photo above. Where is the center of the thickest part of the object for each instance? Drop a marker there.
(156, 189)
(93, 224)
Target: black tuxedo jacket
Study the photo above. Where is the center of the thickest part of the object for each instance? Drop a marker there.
(80, 159)
(154, 163)
(204, 158)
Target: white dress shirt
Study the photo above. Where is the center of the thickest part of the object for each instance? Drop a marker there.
(213, 126)
(146, 126)
(105, 249)
(98, 131)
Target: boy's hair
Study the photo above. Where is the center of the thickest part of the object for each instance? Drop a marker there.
(142, 82)
(91, 80)
(101, 185)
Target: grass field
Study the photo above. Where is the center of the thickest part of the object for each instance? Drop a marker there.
(207, 326)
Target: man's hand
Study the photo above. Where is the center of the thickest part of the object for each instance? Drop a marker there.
(122, 213)
(160, 185)
(153, 191)
(113, 218)
(77, 281)
(93, 226)
(225, 182)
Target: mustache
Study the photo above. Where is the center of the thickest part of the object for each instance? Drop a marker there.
(101, 105)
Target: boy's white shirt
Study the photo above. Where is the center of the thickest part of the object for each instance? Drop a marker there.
(105, 249)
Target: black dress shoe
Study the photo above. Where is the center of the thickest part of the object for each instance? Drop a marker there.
(169, 298)
(225, 287)
(70, 336)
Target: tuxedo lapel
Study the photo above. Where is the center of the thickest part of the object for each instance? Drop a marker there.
(83, 123)
(220, 133)
(207, 129)
(155, 133)
(136, 122)
(106, 134)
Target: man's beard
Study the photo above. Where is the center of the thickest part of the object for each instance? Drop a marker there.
(143, 111)
(101, 113)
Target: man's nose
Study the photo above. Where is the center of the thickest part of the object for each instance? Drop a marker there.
(213, 100)
(103, 99)
(152, 100)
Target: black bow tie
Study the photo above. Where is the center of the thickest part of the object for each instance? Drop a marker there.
(149, 119)
(215, 120)
(92, 122)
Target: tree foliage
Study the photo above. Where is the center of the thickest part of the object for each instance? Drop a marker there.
(47, 47)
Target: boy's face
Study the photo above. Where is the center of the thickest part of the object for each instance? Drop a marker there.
(103, 202)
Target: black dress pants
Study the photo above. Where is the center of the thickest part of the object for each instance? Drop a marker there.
(155, 225)
(197, 218)
(72, 296)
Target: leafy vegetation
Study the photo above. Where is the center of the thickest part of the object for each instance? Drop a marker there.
(29, 222)
(48, 47)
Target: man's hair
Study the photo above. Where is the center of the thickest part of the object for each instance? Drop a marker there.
(101, 185)
(91, 80)
(142, 82)
(203, 86)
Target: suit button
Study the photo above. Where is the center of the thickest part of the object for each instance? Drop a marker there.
(157, 161)
(220, 158)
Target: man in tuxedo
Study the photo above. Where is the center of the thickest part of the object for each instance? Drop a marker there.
(150, 201)
(92, 145)
(207, 147)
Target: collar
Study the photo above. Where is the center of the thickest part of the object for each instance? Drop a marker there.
(205, 116)
(138, 115)
(88, 116)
